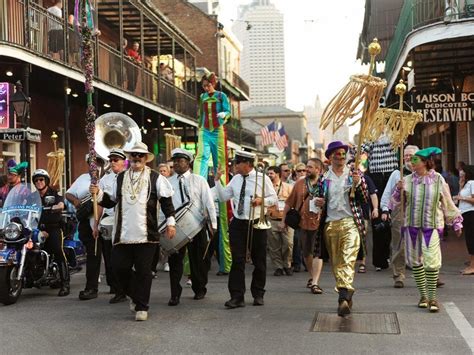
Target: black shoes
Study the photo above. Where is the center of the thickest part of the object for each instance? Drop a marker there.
(117, 299)
(221, 273)
(343, 309)
(288, 271)
(200, 295)
(87, 294)
(234, 303)
(64, 291)
(174, 301)
(258, 301)
(278, 272)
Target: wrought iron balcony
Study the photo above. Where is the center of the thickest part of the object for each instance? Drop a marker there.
(240, 83)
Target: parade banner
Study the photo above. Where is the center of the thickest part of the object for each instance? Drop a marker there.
(445, 107)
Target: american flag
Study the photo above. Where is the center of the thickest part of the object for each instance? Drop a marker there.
(280, 139)
(268, 134)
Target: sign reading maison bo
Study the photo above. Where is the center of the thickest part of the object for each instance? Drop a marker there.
(445, 107)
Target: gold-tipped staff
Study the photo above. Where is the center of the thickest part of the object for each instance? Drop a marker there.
(55, 163)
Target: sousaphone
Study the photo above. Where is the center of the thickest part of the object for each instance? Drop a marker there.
(115, 130)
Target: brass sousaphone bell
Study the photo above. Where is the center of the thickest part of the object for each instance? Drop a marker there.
(115, 130)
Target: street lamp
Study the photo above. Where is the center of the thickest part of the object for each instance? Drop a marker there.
(21, 103)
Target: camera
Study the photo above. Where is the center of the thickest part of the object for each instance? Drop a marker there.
(381, 225)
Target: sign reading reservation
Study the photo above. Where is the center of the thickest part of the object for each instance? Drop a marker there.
(445, 107)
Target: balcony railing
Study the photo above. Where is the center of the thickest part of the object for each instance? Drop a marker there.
(419, 13)
(241, 84)
(44, 34)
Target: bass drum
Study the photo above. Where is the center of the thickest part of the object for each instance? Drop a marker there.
(188, 223)
(106, 227)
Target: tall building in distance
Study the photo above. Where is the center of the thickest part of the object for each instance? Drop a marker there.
(210, 7)
(259, 27)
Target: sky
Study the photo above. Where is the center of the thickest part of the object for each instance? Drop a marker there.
(321, 39)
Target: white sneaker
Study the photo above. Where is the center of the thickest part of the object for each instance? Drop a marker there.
(167, 267)
(141, 316)
(189, 282)
(132, 306)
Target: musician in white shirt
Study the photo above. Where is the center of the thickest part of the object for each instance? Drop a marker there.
(242, 190)
(191, 190)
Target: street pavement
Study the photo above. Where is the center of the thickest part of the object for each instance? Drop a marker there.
(42, 323)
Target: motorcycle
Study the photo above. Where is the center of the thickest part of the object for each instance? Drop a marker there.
(23, 262)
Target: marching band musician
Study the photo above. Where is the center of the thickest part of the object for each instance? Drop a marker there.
(135, 234)
(242, 190)
(117, 165)
(191, 188)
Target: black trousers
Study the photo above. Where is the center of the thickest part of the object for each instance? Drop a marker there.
(238, 245)
(93, 259)
(135, 282)
(54, 245)
(199, 266)
(107, 251)
(382, 238)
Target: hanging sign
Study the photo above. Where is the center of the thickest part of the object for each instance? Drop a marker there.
(445, 107)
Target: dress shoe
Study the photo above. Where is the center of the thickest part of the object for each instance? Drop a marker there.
(234, 303)
(174, 301)
(439, 283)
(258, 301)
(117, 299)
(296, 268)
(278, 272)
(199, 295)
(398, 284)
(64, 291)
(141, 316)
(221, 273)
(87, 294)
(343, 309)
(288, 271)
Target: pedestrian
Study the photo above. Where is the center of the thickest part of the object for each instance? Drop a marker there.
(280, 238)
(395, 218)
(196, 193)
(135, 235)
(55, 30)
(78, 194)
(466, 206)
(427, 204)
(117, 160)
(302, 199)
(285, 172)
(342, 220)
(132, 74)
(241, 189)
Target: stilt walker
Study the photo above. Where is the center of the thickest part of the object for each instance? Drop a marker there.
(214, 111)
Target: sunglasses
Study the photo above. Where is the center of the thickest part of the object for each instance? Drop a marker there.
(415, 159)
(114, 160)
(138, 155)
(301, 170)
(38, 179)
(287, 170)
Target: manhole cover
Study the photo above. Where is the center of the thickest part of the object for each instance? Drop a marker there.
(364, 323)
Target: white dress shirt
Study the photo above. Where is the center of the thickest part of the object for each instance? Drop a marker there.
(232, 191)
(338, 195)
(107, 184)
(197, 190)
(389, 189)
(80, 190)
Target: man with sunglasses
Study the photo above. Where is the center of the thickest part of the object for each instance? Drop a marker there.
(191, 189)
(50, 225)
(342, 220)
(117, 160)
(395, 216)
(285, 173)
(241, 189)
(136, 193)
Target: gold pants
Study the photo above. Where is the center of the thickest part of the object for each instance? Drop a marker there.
(343, 242)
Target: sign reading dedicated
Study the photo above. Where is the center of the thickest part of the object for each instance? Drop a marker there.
(449, 107)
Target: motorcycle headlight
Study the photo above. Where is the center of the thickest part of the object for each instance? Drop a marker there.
(12, 231)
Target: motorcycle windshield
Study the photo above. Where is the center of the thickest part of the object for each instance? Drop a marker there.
(24, 203)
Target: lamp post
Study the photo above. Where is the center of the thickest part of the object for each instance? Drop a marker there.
(21, 106)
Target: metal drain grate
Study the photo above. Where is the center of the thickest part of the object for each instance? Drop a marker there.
(364, 323)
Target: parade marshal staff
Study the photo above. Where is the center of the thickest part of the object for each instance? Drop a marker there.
(135, 233)
(191, 188)
(242, 189)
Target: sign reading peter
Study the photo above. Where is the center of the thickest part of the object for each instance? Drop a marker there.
(445, 107)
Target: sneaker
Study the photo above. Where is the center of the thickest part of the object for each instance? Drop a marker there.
(423, 303)
(378, 269)
(132, 306)
(166, 267)
(433, 306)
(141, 316)
(189, 282)
(398, 284)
